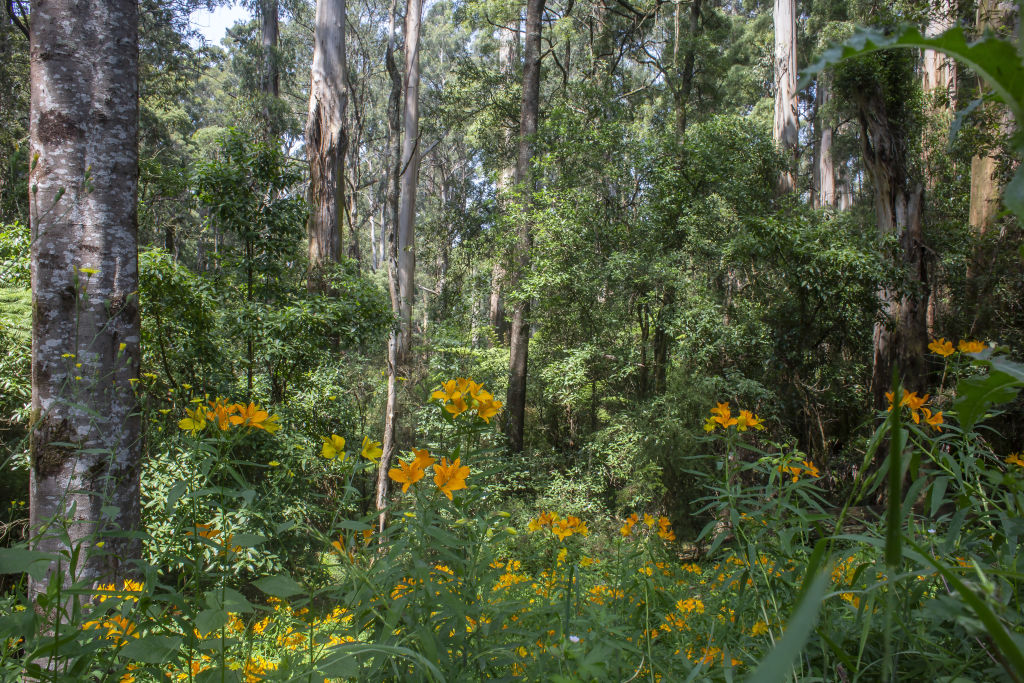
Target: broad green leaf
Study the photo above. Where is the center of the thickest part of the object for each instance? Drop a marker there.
(152, 649)
(18, 560)
(211, 620)
(976, 394)
(279, 586)
(228, 599)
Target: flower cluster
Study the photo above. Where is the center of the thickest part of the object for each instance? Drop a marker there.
(945, 348)
(462, 394)
(448, 477)
(333, 448)
(227, 415)
(721, 416)
(1015, 459)
(806, 467)
(918, 411)
(664, 526)
(560, 528)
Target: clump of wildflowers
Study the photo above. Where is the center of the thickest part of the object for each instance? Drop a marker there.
(721, 417)
(226, 415)
(462, 394)
(918, 410)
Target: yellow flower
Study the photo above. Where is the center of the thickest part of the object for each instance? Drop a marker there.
(941, 347)
(1015, 459)
(933, 420)
(488, 409)
(457, 406)
(649, 520)
(810, 469)
(371, 449)
(748, 419)
(759, 628)
(334, 446)
(89, 271)
(274, 463)
(665, 529)
(562, 529)
(423, 459)
(407, 474)
(254, 416)
(450, 477)
(723, 415)
(195, 422)
(970, 346)
(690, 605)
(220, 412)
(446, 392)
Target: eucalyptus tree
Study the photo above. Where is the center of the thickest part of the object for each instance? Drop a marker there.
(325, 138)
(786, 128)
(85, 430)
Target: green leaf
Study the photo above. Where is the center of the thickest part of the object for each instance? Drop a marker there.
(992, 58)
(976, 394)
(228, 599)
(777, 666)
(1013, 657)
(210, 620)
(18, 560)
(279, 586)
(152, 649)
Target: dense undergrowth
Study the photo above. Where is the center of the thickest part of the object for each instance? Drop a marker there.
(249, 576)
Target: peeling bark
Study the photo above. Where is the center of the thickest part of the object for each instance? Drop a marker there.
(786, 128)
(84, 271)
(325, 139)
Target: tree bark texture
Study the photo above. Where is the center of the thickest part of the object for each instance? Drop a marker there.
(902, 335)
(786, 128)
(992, 15)
(520, 331)
(824, 174)
(84, 271)
(389, 443)
(325, 139)
(938, 72)
(410, 173)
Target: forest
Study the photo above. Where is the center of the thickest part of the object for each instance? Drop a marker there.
(555, 340)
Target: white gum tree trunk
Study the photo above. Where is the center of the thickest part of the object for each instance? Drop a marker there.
(85, 432)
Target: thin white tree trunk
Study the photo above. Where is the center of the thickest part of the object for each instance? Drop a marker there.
(786, 128)
(84, 271)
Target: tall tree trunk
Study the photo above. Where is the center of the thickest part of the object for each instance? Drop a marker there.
(85, 429)
(389, 441)
(823, 192)
(270, 84)
(938, 72)
(902, 337)
(409, 178)
(508, 60)
(681, 93)
(325, 139)
(520, 332)
(786, 128)
(985, 191)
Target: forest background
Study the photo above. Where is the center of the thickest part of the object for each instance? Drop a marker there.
(662, 217)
